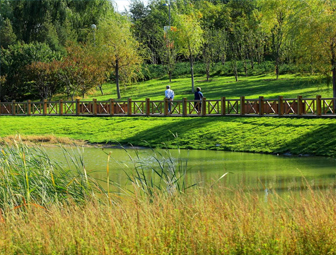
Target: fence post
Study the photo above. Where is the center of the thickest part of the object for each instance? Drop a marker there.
(242, 105)
(223, 106)
(61, 107)
(184, 107)
(318, 106)
(129, 107)
(203, 106)
(77, 107)
(28, 107)
(165, 107)
(299, 105)
(44, 107)
(261, 106)
(111, 107)
(94, 107)
(13, 107)
(280, 106)
(147, 106)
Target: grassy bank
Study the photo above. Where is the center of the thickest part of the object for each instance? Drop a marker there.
(222, 222)
(288, 85)
(266, 135)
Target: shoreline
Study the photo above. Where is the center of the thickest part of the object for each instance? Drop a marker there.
(53, 141)
(277, 136)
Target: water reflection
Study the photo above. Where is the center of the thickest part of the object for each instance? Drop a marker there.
(261, 172)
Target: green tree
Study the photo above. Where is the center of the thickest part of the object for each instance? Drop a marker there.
(189, 38)
(53, 22)
(314, 32)
(214, 20)
(43, 79)
(13, 65)
(275, 17)
(148, 24)
(80, 71)
(7, 35)
(118, 50)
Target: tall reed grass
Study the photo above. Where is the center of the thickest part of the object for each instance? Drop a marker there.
(165, 174)
(204, 222)
(29, 177)
(64, 214)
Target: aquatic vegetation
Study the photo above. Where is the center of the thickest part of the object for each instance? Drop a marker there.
(51, 209)
(166, 176)
(28, 177)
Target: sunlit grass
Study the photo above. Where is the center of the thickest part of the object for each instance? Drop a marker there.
(28, 177)
(45, 209)
(203, 222)
(289, 86)
(249, 134)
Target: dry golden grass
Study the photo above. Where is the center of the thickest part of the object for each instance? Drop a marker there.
(40, 140)
(221, 222)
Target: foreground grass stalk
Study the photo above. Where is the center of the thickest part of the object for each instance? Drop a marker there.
(29, 177)
(221, 222)
(66, 213)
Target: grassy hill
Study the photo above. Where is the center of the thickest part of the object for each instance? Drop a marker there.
(250, 134)
(288, 85)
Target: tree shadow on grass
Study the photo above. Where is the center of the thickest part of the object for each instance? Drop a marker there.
(262, 87)
(320, 142)
(250, 87)
(247, 87)
(166, 132)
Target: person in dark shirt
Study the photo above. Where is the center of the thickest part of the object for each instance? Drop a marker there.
(198, 96)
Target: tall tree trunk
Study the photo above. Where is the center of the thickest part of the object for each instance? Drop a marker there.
(277, 68)
(334, 80)
(101, 89)
(245, 67)
(192, 72)
(168, 61)
(117, 78)
(333, 64)
(234, 67)
(252, 61)
(236, 72)
(223, 59)
(208, 71)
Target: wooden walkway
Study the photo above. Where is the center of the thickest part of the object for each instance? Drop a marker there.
(303, 107)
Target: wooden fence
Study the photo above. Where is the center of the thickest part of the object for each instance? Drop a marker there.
(232, 107)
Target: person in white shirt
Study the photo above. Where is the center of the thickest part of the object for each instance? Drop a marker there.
(169, 94)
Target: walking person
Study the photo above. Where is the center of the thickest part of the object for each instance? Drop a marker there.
(169, 94)
(198, 96)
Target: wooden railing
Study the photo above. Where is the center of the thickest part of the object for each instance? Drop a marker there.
(232, 107)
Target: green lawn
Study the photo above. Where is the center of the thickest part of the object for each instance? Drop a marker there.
(288, 86)
(250, 134)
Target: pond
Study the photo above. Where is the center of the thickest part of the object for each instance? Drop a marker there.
(247, 170)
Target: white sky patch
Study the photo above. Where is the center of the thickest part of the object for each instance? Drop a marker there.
(122, 4)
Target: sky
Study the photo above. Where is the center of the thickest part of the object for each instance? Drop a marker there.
(122, 4)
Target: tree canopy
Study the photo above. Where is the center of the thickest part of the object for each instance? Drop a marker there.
(240, 34)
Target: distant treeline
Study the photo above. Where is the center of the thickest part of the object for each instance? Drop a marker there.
(72, 46)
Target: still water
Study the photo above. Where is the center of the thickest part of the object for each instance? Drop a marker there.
(247, 170)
